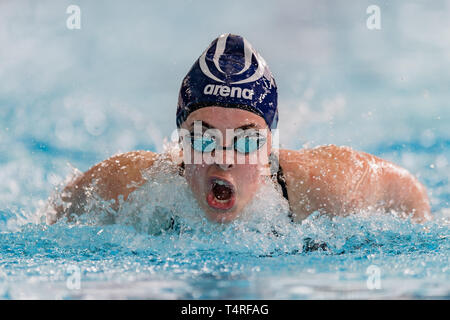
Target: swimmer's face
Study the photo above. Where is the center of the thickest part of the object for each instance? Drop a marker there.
(225, 181)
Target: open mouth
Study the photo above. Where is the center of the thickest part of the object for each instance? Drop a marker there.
(221, 194)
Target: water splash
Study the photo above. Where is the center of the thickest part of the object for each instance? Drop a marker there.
(160, 245)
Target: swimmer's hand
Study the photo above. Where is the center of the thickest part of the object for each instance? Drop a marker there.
(339, 180)
(111, 180)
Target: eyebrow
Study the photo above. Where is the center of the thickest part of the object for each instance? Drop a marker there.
(243, 127)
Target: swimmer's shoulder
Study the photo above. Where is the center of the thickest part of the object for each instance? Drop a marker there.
(340, 180)
(123, 168)
(132, 169)
(130, 161)
(317, 177)
(111, 179)
(298, 161)
(116, 176)
(123, 173)
(304, 162)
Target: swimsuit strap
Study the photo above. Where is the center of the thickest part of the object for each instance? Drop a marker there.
(282, 182)
(181, 169)
(277, 173)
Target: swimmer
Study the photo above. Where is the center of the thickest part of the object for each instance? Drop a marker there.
(227, 111)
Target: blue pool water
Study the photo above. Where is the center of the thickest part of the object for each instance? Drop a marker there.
(322, 257)
(69, 99)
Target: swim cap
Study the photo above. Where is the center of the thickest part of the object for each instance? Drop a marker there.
(229, 73)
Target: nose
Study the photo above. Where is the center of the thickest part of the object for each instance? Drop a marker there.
(225, 159)
(225, 166)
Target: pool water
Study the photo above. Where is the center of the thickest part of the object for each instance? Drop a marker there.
(262, 256)
(71, 98)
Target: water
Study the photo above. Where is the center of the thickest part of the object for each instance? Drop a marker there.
(63, 108)
(135, 257)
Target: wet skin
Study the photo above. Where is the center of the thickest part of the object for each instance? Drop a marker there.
(330, 179)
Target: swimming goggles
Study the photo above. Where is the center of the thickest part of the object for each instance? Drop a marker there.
(245, 144)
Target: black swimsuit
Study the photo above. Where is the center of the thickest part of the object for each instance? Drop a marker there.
(282, 182)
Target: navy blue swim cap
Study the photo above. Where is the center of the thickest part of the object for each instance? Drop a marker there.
(229, 73)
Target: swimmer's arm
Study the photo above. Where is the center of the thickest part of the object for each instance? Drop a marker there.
(339, 180)
(404, 193)
(110, 179)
